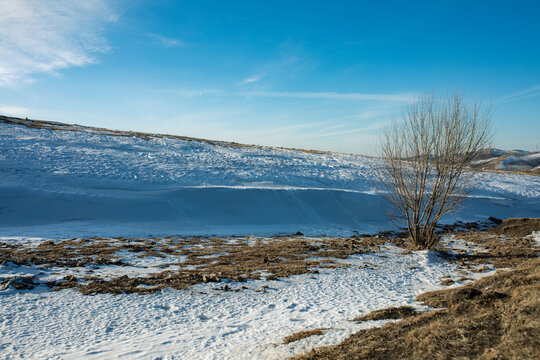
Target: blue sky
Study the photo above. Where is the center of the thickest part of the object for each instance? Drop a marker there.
(324, 75)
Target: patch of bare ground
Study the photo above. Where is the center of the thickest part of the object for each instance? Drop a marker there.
(302, 335)
(534, 171)
(503, 246)
(496, 317)
(202, 259)
(400, 312)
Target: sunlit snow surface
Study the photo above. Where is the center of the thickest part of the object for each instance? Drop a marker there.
(207, 323)
(60, 184)
(57, 185)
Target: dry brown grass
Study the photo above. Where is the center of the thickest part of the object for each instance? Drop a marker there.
(516, 227)
(503, 246)
(532, 172)
(208, 259)
(400, 312)
(302, 335)
(496, 317)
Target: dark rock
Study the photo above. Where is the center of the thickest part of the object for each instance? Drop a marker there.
(70, 278)
(495, 220)
(19, 283)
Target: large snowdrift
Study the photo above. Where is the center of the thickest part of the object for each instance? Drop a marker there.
(61, 183)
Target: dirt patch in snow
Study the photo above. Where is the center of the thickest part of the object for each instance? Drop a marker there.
(516, 227)
(503, 246)
(179, 262)
(203, 260)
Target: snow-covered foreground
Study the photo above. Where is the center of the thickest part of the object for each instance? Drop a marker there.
(206, 323)
(60, 184)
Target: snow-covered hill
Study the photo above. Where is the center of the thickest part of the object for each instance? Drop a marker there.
(60, 181)
(513, 160)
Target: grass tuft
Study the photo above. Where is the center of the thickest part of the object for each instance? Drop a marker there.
(388, 313)
(302, 335)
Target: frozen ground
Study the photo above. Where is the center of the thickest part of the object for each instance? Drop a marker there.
(59, 184)
(207, 323)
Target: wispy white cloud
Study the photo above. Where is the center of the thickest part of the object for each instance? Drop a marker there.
(354, 134)
(166, 41)
(46, 36)
(192, 93)
(404, 97)
(288, 60)
(519, 95)
(371, 127)
(331, 95)
(14, 110)
(252, 79)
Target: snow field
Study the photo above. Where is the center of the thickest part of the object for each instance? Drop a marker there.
(62, 184)
(65, 184)
(206, 323)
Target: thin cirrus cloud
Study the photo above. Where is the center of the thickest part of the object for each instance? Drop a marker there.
(331, 95)
(375, 126)
(166, 41)
(251, 79)
(46, 36)
(399, 97)
(519, 95)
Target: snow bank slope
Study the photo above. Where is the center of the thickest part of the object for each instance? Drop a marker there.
(72, 183)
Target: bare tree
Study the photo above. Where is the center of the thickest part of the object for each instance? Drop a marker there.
(425, 153)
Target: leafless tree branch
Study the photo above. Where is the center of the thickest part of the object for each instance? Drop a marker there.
(425, 153)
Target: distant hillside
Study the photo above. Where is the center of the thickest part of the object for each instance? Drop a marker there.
(54, 125)
(492, 159)
(514, 160)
